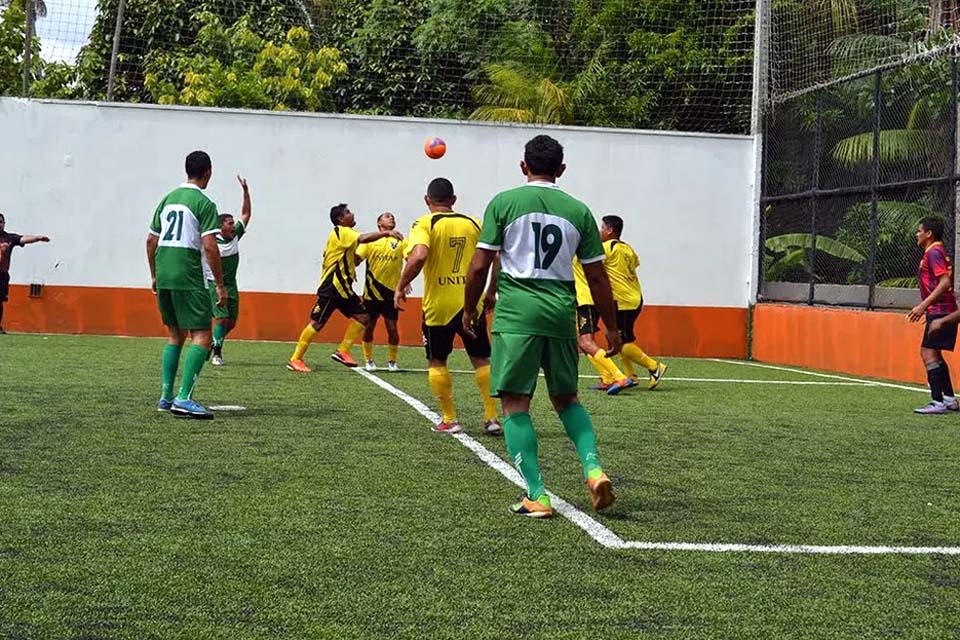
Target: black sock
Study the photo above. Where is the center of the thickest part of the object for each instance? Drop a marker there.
(935, 380)
(945, 383)
(218, 350)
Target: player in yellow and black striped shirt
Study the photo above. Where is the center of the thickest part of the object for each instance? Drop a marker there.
(335, 292)
(442, 244)
(621, 267)
(384, 260)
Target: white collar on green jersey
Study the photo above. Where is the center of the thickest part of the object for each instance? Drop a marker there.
(190, 185)
(542, 183)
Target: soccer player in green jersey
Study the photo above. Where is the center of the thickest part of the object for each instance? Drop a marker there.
(228, 242)
(537, 229)
(182, 233)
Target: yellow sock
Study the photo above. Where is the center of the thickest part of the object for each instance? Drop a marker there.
(627, 367)
(305, 337)
(442, 386)
(608, 366)
(368, 350)
(392, 350)
(635, 353)
(482, 376)
(353, 332)
(604, 376)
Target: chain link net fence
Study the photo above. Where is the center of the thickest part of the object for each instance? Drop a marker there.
(659, 64)
(860, 143)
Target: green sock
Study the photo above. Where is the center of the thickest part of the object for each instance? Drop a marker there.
(192, 365)
(579, 428)
(171, 359)
(219, 333)
(522, 448)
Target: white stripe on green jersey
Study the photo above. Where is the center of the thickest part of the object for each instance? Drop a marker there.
(180, 221)
(229, 256)
(538, 230)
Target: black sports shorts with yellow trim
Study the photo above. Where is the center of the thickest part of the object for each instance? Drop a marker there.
(327, 304)
(381, 308)
(626, 319)
(438, 341)
(588, 320)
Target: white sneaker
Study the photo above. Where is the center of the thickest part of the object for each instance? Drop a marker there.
(492, 427)
(393, 367)
(216, 361)
(370, 366)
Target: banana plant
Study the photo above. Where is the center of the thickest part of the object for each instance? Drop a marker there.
(790, 250)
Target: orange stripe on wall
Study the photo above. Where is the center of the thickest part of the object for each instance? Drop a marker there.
(878, 344)
(714, 332)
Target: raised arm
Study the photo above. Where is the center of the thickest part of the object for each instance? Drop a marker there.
(247, 209)
(599, 285)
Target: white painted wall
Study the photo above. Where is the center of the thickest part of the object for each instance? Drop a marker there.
(90, 175)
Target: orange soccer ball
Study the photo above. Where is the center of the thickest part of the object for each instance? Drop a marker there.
(435, 147)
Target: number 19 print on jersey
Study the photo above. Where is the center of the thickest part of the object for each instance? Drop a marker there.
(538, 230)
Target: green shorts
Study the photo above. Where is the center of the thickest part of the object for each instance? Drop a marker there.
(229, 311)
(187, 309)
(517, 359)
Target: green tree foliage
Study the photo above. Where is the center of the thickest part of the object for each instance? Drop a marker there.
(235, 67)
(47, 79)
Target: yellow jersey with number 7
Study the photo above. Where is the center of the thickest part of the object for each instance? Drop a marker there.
(451, 240)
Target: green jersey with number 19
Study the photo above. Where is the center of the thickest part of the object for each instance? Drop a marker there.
(180, 222)
(538, 230)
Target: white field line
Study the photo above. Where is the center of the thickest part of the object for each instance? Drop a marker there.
(610, 540)
(593, 528)
(814, 383)
(870, 383)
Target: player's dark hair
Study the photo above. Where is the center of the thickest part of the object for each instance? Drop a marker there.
(615, 224)
(224, 217)
(3, 217)
(385, 213)
(197, 164)
(934, 225)
(543, 156)
(440, 191)
(336, 213)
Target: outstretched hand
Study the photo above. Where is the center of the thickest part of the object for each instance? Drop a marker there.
(243, 182)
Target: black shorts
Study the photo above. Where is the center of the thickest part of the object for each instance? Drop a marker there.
(626, 319)
(4, 285)
(944, 340)
(438, 341)
(381, 308)
(588, 320)
(326, 305)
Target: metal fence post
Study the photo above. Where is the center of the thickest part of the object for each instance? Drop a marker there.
(111, 80)
(27, 45)
(817, 143)
(954, 185)
(874, 181)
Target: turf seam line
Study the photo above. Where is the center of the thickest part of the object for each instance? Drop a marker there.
(870, 383)
(594, 529)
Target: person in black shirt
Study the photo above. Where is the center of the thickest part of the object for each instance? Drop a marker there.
(8, 242)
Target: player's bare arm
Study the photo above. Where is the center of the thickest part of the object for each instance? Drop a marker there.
(152, 242)
(415, 262)
(213, 259)
(246, 211)
(377, 235)
(599, 285)
(943, 285)
(25, 240)
(477, 272)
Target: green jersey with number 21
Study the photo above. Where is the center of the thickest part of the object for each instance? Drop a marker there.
(538, 230)
(180, 222)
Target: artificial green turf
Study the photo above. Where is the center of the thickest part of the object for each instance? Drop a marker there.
(329, 509)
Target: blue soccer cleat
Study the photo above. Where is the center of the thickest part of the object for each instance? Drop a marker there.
(190, 409)
(164, 405)
(620, 385)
